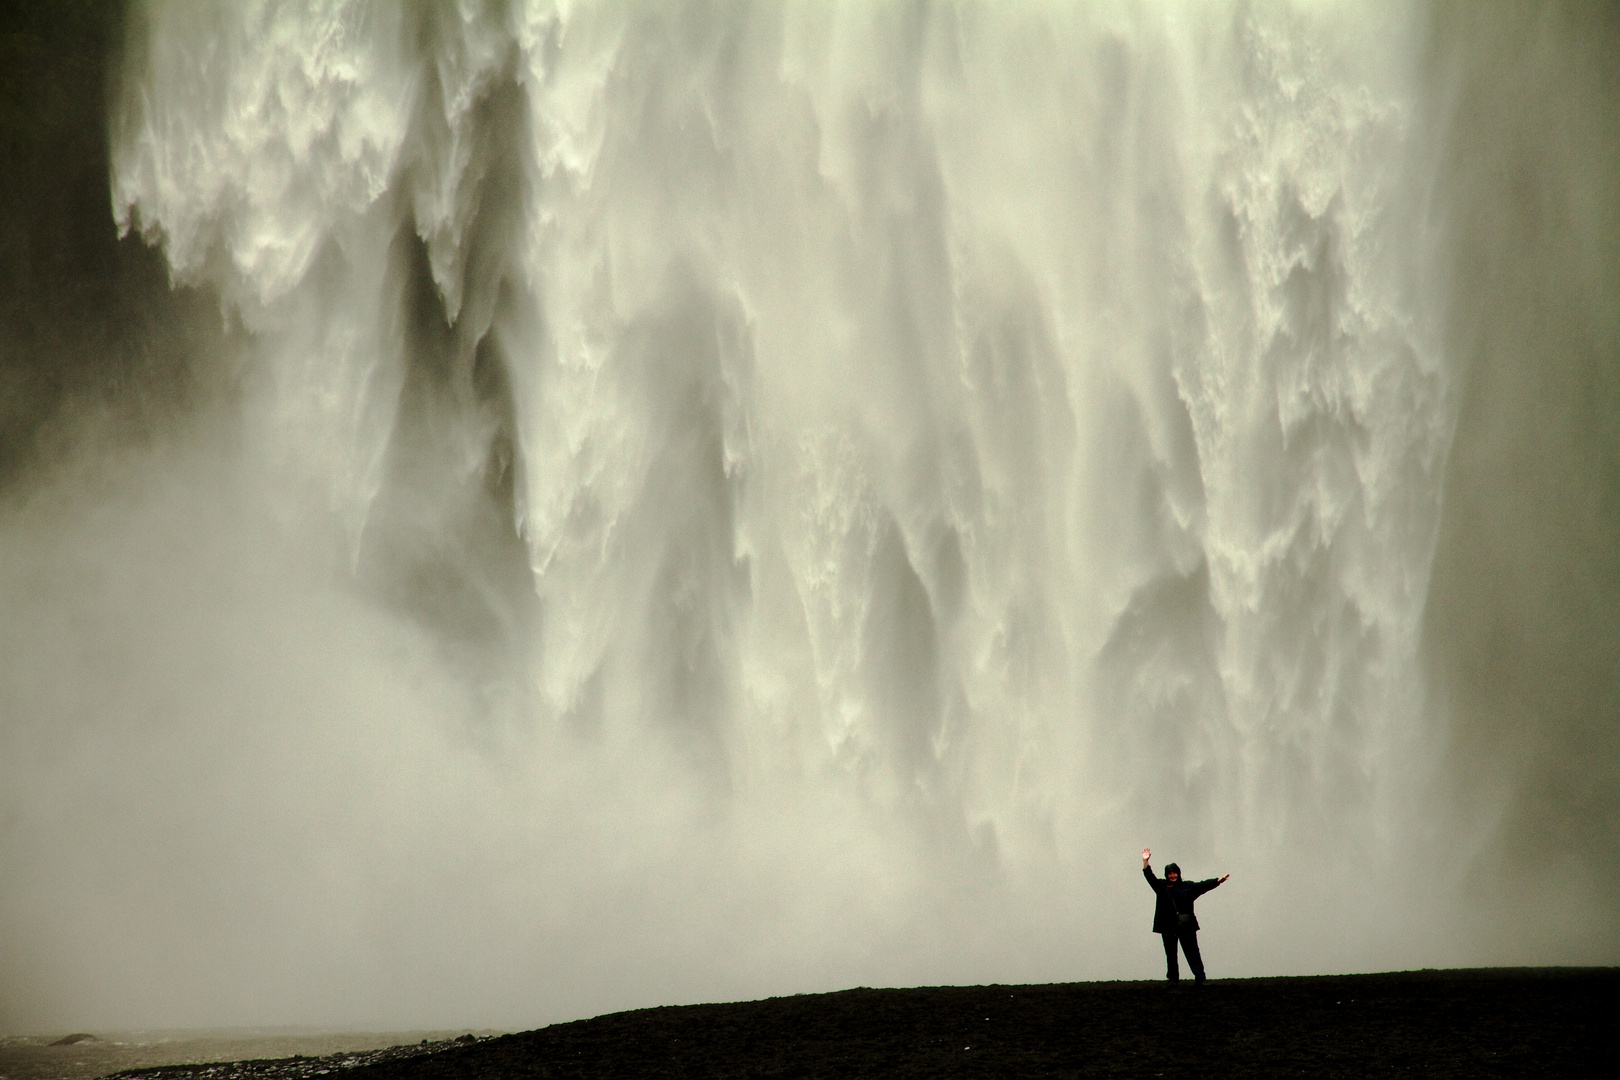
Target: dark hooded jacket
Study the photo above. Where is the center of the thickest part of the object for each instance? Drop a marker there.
(1174, 900)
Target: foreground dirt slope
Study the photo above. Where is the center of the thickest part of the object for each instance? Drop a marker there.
(1490, 1023)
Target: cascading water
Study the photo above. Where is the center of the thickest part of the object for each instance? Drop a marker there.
(810, 491)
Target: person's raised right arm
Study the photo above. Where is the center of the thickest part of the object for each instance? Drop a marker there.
(1147, 871)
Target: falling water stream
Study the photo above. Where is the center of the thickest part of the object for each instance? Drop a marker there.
(718, 500)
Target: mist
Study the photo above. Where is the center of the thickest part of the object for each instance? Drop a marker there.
(515, 512)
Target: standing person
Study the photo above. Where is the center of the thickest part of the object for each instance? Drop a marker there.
(1173, 918)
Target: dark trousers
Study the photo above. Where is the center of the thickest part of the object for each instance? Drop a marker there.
(1189, 945)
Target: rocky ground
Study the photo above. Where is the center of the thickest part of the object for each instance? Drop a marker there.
(1485, 1023)
(86, 1055)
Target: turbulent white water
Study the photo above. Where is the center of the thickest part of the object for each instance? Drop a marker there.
(812, 490)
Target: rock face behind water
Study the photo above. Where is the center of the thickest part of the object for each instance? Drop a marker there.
(1481, 1023)
(78, 1037)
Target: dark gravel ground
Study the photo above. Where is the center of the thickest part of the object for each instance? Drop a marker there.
(86, 1056)
(1481, 1023)
(301, 1066)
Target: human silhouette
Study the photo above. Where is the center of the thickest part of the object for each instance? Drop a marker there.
(1173, 918)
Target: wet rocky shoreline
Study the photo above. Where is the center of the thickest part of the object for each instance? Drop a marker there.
(299, 1066)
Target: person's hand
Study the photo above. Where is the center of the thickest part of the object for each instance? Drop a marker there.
(1223, 878)
(1146, 855)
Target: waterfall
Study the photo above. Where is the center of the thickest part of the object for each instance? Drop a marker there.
(743, 499)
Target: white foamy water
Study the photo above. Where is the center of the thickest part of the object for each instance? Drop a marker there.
(733, 500)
